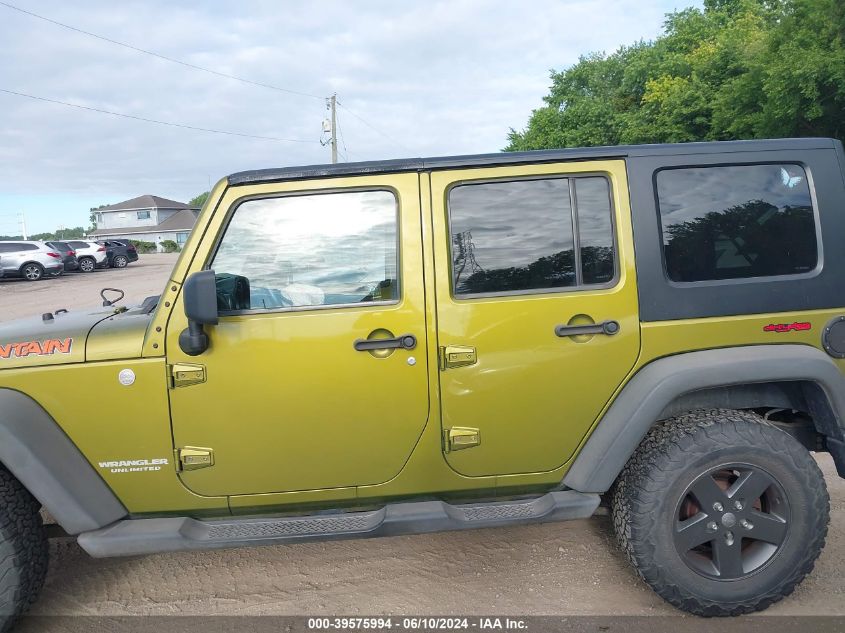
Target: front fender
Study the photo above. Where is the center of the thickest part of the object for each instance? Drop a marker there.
(48, 464)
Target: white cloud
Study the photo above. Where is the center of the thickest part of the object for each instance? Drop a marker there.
(438, 77)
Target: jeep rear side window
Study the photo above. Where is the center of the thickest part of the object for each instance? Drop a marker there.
(304, 251)
(736, 222)
(531, 235)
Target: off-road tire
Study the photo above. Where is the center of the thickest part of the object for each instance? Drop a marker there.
(120, 261)
(678, 452)
(87, 264)
(23, 550)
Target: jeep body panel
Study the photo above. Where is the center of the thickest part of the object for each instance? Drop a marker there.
(299, 420)
(525, 375)
(59, 340)
(46, 461)
(305, 395)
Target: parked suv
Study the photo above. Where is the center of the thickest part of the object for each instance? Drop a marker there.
(456, 343)
(30, 260)
(90, 255)
(69, 259)
(120, 252)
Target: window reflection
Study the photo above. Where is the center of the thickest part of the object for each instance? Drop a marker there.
(736, 222)
(313, 250)
(595, 230)
(516, 236)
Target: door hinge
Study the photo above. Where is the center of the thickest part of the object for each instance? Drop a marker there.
(453, 356)
(185, 374)
(460, 437)
(194, 457)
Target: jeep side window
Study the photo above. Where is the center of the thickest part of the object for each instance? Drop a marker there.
(738, 221)
(301, 251)
(531, 235)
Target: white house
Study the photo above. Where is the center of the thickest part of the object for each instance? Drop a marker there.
(148, 218)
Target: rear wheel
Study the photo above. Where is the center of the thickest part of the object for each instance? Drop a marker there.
(23, 550)
(721, 512)
(120, 261)
(32, 271)
(87, 264)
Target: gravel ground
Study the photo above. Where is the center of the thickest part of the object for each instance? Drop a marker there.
(555, 569)
(147, 276)
(571, 568)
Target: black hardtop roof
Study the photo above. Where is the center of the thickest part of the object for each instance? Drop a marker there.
(515, 158)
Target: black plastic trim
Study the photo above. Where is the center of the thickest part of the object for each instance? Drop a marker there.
(661, 299)
(50, 466)
(147, 536)
(653, 388)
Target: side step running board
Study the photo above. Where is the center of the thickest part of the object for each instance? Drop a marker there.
(148, 536)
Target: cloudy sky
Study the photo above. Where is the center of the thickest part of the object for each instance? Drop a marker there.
(431, 77)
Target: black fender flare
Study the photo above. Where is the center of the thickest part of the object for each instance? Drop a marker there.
(650, 391)
(47, 462)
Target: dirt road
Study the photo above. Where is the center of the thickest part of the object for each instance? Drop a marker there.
(566, 568)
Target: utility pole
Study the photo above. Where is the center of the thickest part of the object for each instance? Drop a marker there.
(23, 225)
(333, 107)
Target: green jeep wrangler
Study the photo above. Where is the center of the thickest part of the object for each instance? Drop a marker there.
(371, 349)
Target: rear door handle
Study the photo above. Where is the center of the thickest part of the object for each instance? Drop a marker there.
(406, 341)
(608, 328)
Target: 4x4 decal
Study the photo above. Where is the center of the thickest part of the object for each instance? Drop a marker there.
(36, 348)
(788, 327)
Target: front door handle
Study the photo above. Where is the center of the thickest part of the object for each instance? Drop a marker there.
(609, 328)
(406, 341)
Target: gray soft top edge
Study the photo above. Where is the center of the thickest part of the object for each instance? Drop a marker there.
(515, 158)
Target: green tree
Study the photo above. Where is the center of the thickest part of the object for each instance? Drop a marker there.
(198, 201)
(93, 217)
(736, 69)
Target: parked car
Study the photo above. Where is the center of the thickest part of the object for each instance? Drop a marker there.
(120, 252)
(90, 255)
(69, 259)
(663, 325)
(30, 260)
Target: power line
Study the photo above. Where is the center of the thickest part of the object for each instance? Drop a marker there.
(196, 67)
(159, 55)
(169, 123)
(372, 127)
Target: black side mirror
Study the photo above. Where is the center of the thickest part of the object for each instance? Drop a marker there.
(200, 298)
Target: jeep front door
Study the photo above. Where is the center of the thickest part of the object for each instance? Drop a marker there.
(302, 390)
(536, 307)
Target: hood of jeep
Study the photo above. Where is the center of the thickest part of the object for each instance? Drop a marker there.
(69, 337)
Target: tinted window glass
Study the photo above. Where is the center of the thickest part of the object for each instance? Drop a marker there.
(595, 229)
(511, 236)
(6, 248)
(517, 236)
(78, 244)
(325, 249)
(736, 222)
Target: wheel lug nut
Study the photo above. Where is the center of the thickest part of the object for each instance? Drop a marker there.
(712, 527)
(729, 538)
(738, 504)
(748, 525)
(718, 507)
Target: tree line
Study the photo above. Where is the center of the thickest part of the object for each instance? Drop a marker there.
(736, 69)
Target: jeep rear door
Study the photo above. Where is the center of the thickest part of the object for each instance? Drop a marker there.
(301, 390)
(536, 308)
